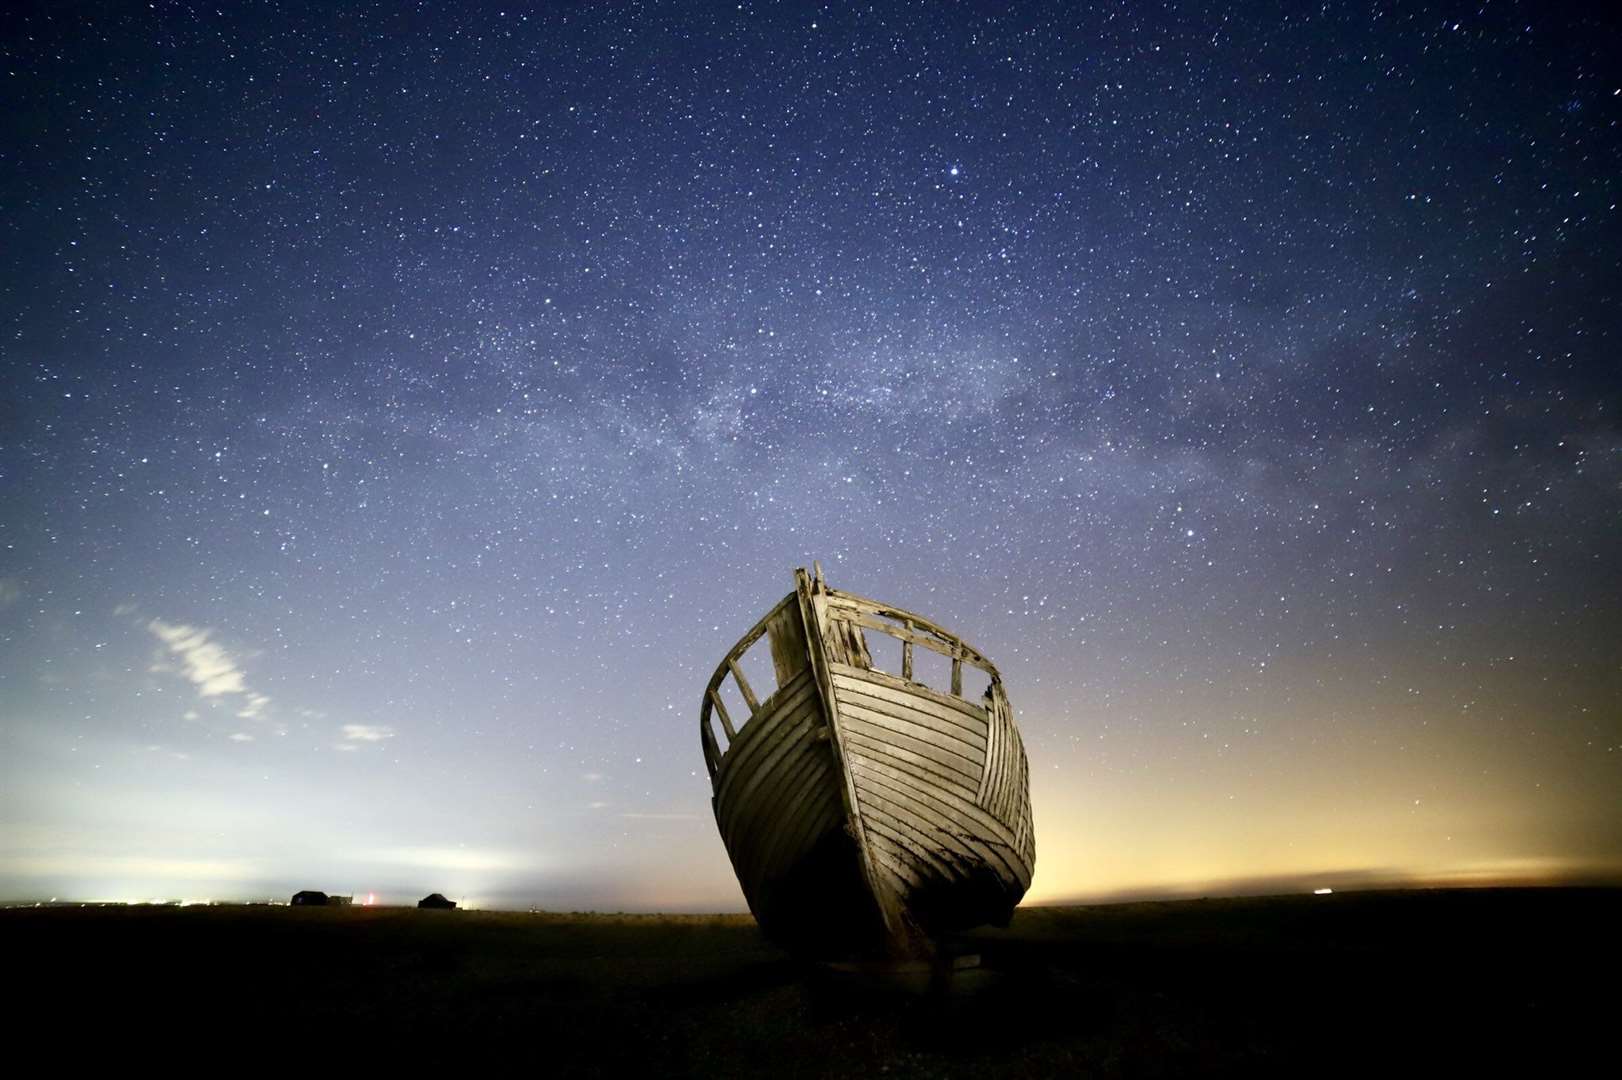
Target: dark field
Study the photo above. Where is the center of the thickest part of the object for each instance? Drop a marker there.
(1370, 983)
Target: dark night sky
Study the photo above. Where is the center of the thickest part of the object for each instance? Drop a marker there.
(402, 410)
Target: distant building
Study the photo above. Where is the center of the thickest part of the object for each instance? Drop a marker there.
(310, 898)
(436, 900)
(340, 901)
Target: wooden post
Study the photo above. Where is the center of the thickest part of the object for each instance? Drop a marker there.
(749, 698)
(721, 710)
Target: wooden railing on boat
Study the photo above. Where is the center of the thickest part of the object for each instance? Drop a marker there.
(847, 616)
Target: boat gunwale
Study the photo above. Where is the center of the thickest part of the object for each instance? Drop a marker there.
(968, 653)
(713, 754)
(906, 628)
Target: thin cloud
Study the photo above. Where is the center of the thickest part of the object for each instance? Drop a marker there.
(254, 708)
(208, 666)
(367, 733)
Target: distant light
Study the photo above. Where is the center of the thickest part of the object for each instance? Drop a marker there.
(1322, 892)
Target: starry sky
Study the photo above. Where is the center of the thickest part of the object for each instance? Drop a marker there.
(404, 407)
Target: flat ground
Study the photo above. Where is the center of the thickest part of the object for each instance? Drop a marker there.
(1373, 983)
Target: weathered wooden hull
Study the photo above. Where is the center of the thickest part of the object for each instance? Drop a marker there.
(863, 811)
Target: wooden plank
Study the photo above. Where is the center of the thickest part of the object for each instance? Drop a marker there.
(783, 809)
(792, 736)
(909, 874)
(894, 881)
(925, 769)
(917, 727)
(720, 708)
(741, 816)
(957, 675)
(798, 815)
(965, 737)
(964, 731)
(786, 635)
(886, 799)
(1014, 805)
(905, 636)
(946, 830)
(936, 700)
(1005, 791)
(917, 778)
(988, 779)
(889, 881)
(787, 846)
(778, 707)
(835, 650)
(843, 603)
(800, 684)
(971, 852)
(744, 688)
(912, 779)
(789, 757)
(712, 753)
(757, 742)
(886, 685)
(956, 813)
(917, 847)
(1025, 834)
(943, 759)
(910, 857)
(771, 804)
(896, 829)
(745, 772)
(906, 659)
(1013, 783)
(815, 805)
(855, 644)
(892, 701)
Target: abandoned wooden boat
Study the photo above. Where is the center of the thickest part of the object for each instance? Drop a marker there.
(865, 812)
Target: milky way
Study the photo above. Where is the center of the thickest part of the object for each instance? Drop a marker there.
(404, 410)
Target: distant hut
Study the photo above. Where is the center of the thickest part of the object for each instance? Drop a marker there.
(340, 901)
(310, 898)
(437, 901)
